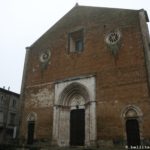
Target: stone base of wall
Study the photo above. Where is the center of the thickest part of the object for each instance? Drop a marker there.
(108, 143)
(115, 144)
(111, 143)
(146, 142)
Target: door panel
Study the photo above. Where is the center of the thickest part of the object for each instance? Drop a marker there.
(77, 127)
(30, 138)
(132, 130)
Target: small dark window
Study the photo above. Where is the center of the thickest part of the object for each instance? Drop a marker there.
(12, 118)
(13, 103)
(76, 41)
(2, 100)
(1, 117)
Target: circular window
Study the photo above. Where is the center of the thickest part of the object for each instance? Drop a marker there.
(45, 56)
(113, 37)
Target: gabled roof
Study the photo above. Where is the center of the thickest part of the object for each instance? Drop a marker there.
(89, 14)
(9, 92)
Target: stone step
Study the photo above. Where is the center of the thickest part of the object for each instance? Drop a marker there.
(61, 148)
(77, 148)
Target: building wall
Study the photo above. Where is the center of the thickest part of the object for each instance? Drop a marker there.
(9, 119)
(121, 80)
(39, 99)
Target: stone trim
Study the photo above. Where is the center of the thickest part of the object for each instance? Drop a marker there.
(64, 93)
(138, 117)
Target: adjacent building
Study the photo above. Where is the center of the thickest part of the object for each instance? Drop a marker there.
(86, 80)
(9, 115)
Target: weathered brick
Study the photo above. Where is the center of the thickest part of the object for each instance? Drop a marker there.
(121, 80)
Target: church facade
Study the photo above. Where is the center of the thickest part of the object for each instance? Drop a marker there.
(86, 80)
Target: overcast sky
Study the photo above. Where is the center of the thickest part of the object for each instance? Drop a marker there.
(22, 22)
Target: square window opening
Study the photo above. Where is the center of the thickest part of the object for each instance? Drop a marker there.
(76, 43)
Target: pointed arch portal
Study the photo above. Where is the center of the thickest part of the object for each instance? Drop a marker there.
(132, 115)
(30, 137)
(31, 119)
(74, 120)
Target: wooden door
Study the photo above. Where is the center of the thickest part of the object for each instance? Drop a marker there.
(30, 138)
(132, 130)
(77, 127)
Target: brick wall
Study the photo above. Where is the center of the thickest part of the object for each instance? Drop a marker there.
(120, 80)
